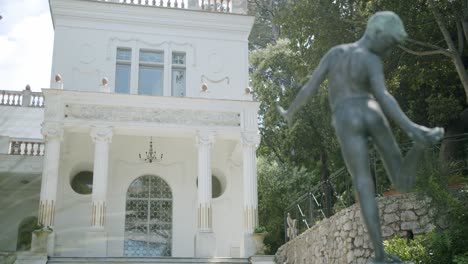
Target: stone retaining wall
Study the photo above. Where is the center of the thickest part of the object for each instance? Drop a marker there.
(343, 238)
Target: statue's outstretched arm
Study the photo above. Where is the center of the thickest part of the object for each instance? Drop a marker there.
(318, 76)
(391, 108)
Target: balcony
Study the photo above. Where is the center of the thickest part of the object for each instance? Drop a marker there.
(220, 6)
(24, 98)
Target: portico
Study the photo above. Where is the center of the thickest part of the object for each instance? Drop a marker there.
(210, 140)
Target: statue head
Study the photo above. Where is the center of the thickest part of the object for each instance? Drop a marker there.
(385, 30)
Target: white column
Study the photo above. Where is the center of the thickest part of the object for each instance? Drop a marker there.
(53, 134)
(250, 143)
(205, 239)
(101, 136)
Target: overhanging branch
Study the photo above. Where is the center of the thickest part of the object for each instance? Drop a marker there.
(426, 53)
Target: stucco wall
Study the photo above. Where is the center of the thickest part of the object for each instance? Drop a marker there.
(19, 122)
(178, 169)
(85, 45)
(343, 238)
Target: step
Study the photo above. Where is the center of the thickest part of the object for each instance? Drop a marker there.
(144, 260)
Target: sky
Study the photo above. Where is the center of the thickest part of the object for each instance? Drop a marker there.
(26, 42)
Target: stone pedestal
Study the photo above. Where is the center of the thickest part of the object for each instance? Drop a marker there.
(96, 243)
(205, 245)
(264, 259)
(248, 246)
(40, 241)
(31, 258)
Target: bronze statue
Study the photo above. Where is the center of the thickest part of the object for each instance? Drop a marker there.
(358, 99)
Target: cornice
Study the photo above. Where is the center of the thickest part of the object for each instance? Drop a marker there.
(147, 16)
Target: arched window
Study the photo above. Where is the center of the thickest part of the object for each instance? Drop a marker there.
(148, 219)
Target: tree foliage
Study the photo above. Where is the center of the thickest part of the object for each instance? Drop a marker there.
(426, 74)
(280, 186)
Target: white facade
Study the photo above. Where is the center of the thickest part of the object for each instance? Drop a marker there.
(86, 126)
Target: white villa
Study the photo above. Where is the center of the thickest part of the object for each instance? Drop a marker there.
(127, 76)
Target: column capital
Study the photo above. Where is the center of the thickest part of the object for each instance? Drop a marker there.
(205, 138)
(250, 139)
(102, 133)
(52, 131)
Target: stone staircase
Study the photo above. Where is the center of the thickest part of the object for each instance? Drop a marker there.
(161, 260)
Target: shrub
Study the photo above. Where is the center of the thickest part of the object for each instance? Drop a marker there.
(416, 250)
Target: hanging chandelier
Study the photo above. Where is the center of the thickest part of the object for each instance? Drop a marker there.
(151, 155)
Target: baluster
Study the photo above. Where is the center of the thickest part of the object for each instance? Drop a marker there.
(27, 148)
(153, 2)
(33, 149)
(183, 4)
(176, 4)
(161, 3)
(20, 148)
(228, 8)
(208, 7)
(37, 149)
(12, 148)
(203, 5)
(24, 148)
(2, 98)
(42, 149)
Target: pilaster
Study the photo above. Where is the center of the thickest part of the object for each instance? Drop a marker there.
(53, 133)
(250, 142)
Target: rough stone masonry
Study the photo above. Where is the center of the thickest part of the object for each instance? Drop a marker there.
(343, 238)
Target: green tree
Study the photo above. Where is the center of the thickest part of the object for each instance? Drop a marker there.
(310, 142)
(280, 186)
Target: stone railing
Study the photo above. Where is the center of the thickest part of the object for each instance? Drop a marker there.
(24, 98)
(222, 6)
(26, 147)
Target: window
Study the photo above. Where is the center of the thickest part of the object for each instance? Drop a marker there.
(151, 73)
(82, 182)
(122, 72)
(178, 74)
(146, 73)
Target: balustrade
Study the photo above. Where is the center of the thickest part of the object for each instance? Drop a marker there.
(224, 6)
(26, 147)
(22, 98)
(160, 3)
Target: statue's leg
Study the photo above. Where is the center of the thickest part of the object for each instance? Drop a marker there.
(356, 156)
(402, 171)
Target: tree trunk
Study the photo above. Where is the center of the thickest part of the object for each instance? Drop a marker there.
(462, 74)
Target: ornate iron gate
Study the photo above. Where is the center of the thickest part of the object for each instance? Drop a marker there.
(148, 220)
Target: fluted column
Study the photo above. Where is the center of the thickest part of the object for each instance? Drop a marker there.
(53, 133)
(102, 137)
(205, 239)
(250, 142)
(205, 141)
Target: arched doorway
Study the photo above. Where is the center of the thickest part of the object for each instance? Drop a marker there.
(148, 218)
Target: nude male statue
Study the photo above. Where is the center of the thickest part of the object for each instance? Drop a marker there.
(359, 99)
